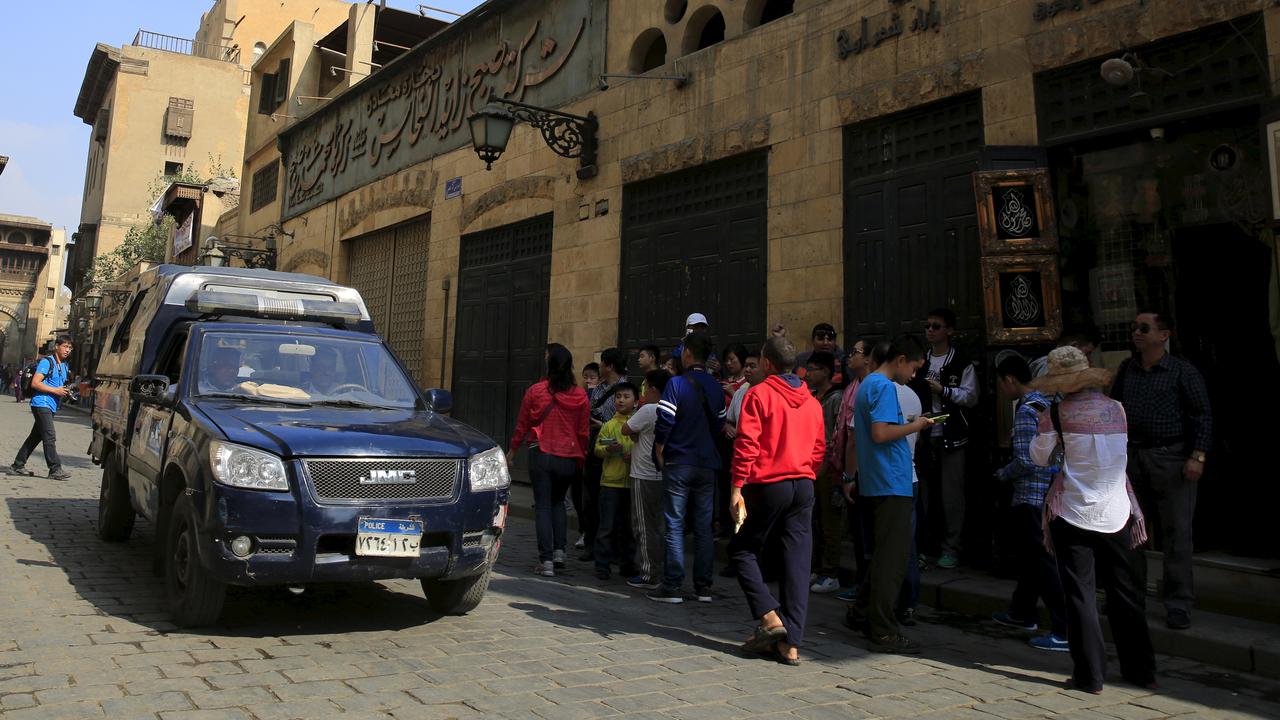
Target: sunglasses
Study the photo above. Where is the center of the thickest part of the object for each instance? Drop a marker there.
(934, 326)
(856, 351)
(824, 336)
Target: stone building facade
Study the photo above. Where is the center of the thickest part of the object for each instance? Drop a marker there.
(32, 306)
(817, 165)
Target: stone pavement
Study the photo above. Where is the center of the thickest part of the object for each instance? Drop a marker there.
(83, 633)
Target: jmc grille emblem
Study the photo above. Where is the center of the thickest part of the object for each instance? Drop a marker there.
(390, 477)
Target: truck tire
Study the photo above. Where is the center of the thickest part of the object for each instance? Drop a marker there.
(115, 513)
(195, 597)
(456, 597)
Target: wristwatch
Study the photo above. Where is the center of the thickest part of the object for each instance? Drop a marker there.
(1198, 456)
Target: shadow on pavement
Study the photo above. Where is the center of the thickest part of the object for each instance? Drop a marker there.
(117, 579)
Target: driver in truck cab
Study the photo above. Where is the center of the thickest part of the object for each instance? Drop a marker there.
(324, 372)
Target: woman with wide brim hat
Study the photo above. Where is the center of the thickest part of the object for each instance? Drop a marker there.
(1092, 520)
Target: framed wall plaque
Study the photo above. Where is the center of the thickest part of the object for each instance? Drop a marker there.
(1022, 299)
(1015, 212)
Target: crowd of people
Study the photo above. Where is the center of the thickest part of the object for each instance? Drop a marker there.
(788, 455)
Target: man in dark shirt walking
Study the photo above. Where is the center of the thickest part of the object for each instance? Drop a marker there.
(1170, 427)
(690, 417)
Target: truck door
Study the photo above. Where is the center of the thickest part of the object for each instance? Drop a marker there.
(149, 436)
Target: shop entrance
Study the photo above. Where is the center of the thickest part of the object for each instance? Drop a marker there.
(504, 293)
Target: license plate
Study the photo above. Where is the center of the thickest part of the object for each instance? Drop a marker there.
(382, 537)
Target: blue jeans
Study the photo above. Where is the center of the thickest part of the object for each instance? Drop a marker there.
(690, 493)
(550, 476)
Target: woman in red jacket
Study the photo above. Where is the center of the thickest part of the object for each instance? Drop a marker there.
(553, 422)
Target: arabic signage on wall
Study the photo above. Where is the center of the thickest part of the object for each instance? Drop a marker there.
(543, 52)
(902, 17)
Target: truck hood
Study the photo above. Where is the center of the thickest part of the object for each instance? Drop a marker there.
(344, 432)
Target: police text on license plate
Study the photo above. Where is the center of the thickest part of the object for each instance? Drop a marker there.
(388, 538)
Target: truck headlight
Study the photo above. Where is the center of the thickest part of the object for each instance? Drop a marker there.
(244, 467)
(488, 471)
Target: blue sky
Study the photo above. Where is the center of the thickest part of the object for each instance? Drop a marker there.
(42, 60)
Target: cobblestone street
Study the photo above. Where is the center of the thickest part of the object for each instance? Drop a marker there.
(86, 635)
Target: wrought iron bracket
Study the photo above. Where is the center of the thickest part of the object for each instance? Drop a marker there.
(568, 135)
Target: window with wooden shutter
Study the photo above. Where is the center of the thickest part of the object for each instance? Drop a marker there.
(282, 82)
(178, 119)
(265, 181)
(267, 94)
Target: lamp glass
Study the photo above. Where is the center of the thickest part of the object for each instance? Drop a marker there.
(491, 128)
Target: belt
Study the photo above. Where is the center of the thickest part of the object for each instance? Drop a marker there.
(1156, 444)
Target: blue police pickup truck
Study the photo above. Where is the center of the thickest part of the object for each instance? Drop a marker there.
(273, 439)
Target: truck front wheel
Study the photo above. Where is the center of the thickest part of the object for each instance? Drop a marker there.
(115, 514)
(456, 597)
(195, 597)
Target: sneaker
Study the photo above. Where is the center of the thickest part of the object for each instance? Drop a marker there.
(670, 597)
(63, 475)
(703, 595)
(907, 617)
(894, 644)
(1008, 620)
(545, 569)
(1178, 620)
(825, 584)
(642, 582)
(948, 562)
(16, 469)
(557, 559)
(849, 595)
(856, 621)
(581, 543)
(1050, 642)
(603, 574)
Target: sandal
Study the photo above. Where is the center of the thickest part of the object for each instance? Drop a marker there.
(784, 660)
(764, 639)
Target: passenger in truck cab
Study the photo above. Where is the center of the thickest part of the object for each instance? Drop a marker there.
(222, 372)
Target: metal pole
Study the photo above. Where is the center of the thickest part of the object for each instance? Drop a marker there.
(444, 332)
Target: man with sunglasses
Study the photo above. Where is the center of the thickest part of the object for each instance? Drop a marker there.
(947, 383)
(823, 340)
(1170, 428)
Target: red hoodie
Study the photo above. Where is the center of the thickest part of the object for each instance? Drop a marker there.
(559, 424)
(780, 433)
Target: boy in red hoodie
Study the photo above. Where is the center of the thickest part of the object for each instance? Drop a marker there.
(777, 451)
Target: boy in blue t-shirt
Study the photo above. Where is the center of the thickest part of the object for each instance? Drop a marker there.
(884, 483)
(47, 389)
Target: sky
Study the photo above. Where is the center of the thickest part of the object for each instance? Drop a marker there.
(42, 62)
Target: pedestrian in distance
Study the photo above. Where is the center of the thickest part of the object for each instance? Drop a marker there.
(48, 385)
(885, 473)
(780, 443)
(820, 369)
(613, 367)
(690, 416)
(1093, 520)
(614, 448)
(646, 487)
(823, 339)
(553, 424)
(1037, 572)
(1170, 430)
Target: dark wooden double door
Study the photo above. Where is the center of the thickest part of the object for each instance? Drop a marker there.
(504, 286)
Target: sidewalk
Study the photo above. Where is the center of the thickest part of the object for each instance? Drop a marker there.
(1231, 642)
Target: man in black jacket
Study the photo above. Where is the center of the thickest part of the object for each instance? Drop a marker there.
(947, 383)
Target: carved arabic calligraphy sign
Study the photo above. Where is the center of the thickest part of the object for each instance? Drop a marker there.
(535, 51)
(918, 19)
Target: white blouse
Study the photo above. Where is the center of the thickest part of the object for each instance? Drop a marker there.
(1093, 493)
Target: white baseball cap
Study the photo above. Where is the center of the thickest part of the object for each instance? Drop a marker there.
(696, 319)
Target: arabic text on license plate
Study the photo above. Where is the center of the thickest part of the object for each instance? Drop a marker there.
(388, 538)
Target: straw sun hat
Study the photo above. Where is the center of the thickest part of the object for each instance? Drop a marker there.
(1069, 372)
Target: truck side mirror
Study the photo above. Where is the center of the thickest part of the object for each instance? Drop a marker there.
(440, 400)
(151, 389)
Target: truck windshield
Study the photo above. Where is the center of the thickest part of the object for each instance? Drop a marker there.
(302, 370)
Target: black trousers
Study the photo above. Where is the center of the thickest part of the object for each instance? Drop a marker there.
(613, 532)
(42, 431)
(1087, 559)
(589, 510)
(878, 594)
(550, 476)
(1037, 570)
(1169, 503)
(778, 514)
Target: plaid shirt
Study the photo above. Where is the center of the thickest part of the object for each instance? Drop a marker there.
(1030, 481)
(1165, 405)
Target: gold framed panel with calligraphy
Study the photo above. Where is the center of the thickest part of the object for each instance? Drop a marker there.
(1015, 211)
(1022, 299)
